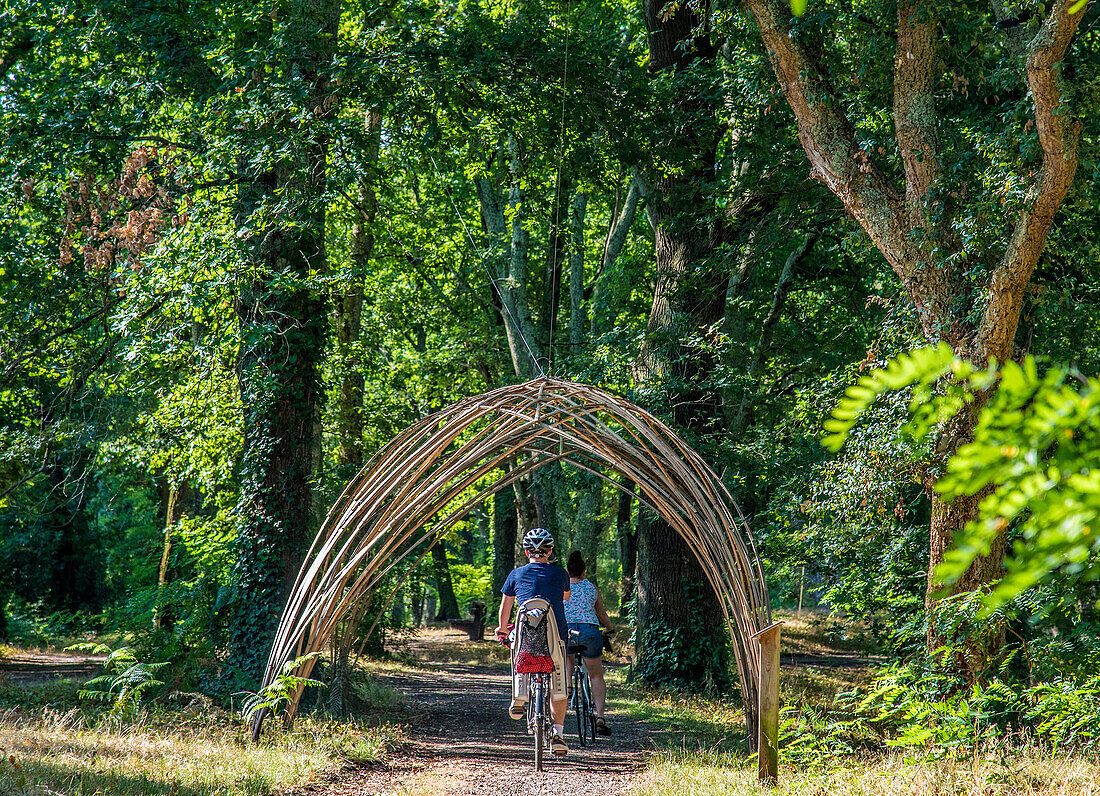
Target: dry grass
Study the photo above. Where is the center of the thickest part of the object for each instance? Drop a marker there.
(50, 743)
(54, 752)
(1029, 773)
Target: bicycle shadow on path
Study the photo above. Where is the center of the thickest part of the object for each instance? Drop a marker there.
(465, 744)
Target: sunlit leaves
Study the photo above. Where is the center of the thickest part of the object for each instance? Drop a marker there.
(1036, 444)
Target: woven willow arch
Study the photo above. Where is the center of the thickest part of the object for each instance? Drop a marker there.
(434, 465)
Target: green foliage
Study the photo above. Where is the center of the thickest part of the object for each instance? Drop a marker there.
(1034, 445)
(124, 681)
(915, 709)
(272, 697)
(133, 363)
(472, 583)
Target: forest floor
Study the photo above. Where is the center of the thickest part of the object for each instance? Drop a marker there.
(460, 740)
(24, 667)
(433, 721)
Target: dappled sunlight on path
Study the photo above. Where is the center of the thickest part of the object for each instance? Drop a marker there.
(464, 743)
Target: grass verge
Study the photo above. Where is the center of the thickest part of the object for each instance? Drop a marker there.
(699, 748)
(1024, 773)
(197, 750)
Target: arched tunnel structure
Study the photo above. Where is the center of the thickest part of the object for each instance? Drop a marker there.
(427, 478)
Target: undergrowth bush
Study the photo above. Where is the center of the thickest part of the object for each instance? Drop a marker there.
(911, 707)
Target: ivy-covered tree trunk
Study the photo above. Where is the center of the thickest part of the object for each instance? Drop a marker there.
(682, 639)
(681, 633)
(282, 330)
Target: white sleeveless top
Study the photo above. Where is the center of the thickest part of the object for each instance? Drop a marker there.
(580, 608)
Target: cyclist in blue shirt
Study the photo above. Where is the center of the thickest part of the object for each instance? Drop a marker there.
(540, 578)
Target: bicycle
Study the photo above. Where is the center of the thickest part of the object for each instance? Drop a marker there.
(539, 722)
(580, 698)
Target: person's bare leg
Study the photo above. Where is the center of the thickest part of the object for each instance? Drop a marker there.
(599, 686)
(558, 707)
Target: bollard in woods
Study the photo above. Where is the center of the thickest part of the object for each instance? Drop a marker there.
(767, 743)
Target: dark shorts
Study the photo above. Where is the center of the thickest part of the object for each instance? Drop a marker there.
(591, 637)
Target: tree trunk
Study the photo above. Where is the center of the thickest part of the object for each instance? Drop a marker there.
(163, 618)
(738, 419)
(504, 539)
(416, 598)
(508, 247)
(448, 605)
(681, 632)
(618, 227)
(577, 309)
(282, 332)
(551, 295)
(680, 639)
(586, 526)
(348, 313)
(628, 545)
(972, 648)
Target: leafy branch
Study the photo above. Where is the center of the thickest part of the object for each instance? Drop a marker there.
(1036, 443)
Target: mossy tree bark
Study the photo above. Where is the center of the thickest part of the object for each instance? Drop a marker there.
(968, 297)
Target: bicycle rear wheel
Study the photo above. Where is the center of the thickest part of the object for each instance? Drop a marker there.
(540, 729)
(590, 708)
(580, 705)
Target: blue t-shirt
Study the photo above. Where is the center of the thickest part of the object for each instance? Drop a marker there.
(548, 581)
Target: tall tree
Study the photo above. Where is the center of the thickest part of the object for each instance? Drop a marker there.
(281, 215)
(963, 253)
(676, 619)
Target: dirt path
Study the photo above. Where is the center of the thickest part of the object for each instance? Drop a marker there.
(26, 667)
(466, 745)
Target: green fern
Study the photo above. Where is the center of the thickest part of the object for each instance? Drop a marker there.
(273, 697)
(125, 678)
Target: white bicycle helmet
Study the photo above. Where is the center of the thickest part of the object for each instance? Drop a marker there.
(538, 541)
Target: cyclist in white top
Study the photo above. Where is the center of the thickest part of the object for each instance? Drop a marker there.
(584, 612)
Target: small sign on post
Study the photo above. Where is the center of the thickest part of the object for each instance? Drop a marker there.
(767, 743)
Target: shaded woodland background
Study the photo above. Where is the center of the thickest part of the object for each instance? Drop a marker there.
(243, 245)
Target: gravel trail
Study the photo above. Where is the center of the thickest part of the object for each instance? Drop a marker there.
(466, 745)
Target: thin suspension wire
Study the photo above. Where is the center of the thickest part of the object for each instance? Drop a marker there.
(488, 271)
(556, 296)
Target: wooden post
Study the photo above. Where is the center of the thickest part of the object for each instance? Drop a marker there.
(767, 743)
